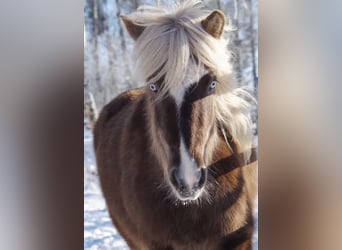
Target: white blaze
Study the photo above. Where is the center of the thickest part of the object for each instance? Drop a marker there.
(188, 166)
(193, 75)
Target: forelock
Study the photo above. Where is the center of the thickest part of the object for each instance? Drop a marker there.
(174, 41)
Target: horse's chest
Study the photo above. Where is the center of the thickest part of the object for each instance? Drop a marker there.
(186, 226)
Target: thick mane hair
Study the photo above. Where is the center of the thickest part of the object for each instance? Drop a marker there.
(173, 42)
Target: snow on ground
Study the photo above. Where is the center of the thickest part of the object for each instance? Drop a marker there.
(99, 232)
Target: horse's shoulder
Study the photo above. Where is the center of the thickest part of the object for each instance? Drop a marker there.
(110, 110)
(121, 101)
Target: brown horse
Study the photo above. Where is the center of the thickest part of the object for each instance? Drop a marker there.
(175, 158)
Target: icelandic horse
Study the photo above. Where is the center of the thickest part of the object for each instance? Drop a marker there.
(175, 158)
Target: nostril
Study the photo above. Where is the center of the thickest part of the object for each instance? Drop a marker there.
(174, 178)
(177, 181)
(203, 177)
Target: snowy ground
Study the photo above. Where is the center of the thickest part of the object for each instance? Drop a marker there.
(99, 232)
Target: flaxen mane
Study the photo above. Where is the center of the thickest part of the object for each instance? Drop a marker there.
(174, 42)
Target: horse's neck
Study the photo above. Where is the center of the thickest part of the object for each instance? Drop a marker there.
(223, 146)
(229, 156)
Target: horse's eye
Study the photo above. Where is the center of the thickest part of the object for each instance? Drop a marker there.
(153, 87)
(213, 84)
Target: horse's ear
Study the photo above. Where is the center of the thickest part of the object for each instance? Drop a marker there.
(214, 23)
(133, 28)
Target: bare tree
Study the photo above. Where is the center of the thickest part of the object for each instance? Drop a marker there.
(218, 2)
(89, 106)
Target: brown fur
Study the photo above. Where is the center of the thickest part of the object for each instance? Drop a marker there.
(130, 173)
(214, 23)
(133, 29)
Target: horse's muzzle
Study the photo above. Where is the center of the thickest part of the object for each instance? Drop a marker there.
(185, 190)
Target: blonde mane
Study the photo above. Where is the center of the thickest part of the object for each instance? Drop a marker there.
(174, 40)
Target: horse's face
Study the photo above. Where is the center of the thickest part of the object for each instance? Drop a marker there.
(186, 120)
